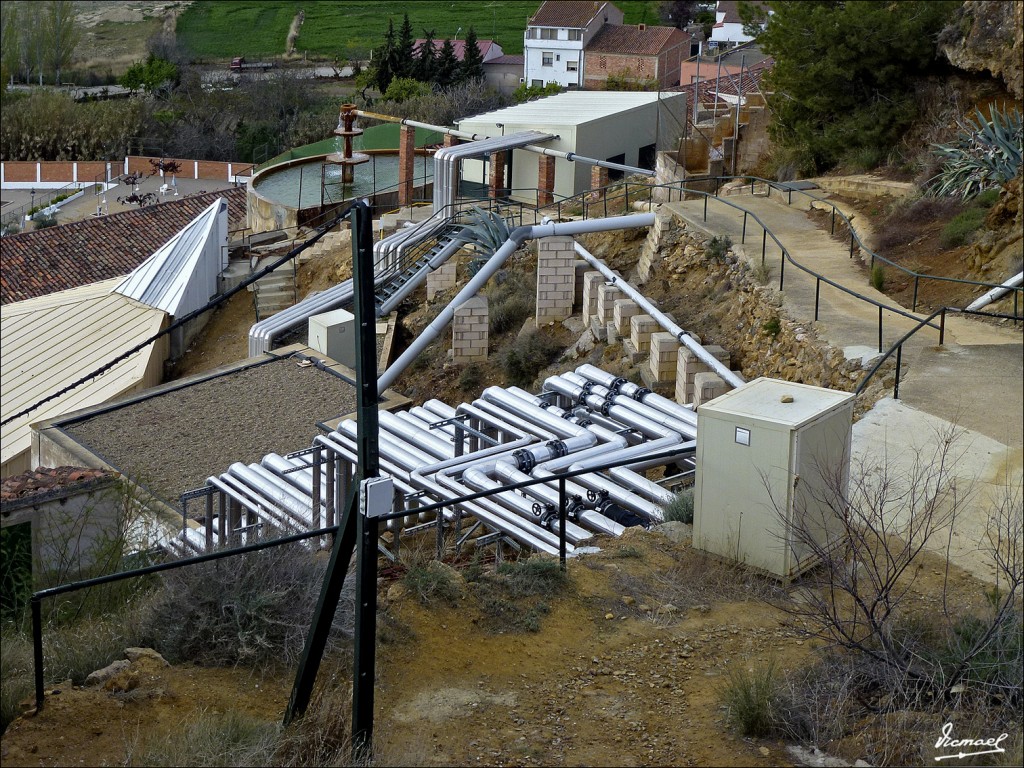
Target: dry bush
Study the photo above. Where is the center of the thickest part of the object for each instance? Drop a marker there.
(907, 218)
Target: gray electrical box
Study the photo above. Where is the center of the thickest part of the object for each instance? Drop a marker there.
(770, 454)
(334, 334)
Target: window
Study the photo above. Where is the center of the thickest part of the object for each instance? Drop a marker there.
(547, 58)
(572, 66)
(537, 83)
(575, 34)
(548, 34)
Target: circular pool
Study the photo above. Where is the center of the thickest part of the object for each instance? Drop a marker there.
(292, 192)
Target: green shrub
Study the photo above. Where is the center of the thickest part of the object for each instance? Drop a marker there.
(750, 698)
(532, 576)
(228, 739)
(772, 327)
(987, 199)
(432, 582)
(524, 358)
(470, 378)
(510, 300)
(514, 598)
(960, 230)
(762, 273)
(15, 674)
(878, 277)
(718, 247)
(680, 508)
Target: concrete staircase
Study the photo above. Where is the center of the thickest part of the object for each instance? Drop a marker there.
(276, 291)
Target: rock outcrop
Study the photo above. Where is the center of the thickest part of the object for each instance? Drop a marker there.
(988, 36)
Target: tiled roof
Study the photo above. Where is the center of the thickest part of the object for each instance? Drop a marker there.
(459, 46)
(508, 58)
(649, 41)
(748, 83)
(731, 9)
(566, 13)
(44, 480)
(58, 258)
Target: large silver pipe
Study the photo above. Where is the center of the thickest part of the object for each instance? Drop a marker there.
(280, 494)
(518, 236)
(671, 407)
(421, 438)
(685, 427)
(663, 320)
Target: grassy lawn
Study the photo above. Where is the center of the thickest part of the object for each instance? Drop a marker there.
(351, 28)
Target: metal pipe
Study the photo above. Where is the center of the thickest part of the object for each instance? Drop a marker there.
(995, 293)
(518, 236)
(663, 320)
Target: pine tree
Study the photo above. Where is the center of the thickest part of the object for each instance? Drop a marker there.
(385, 61)
(472, 68)
(425, 64)
(404, 62)
(446, 71)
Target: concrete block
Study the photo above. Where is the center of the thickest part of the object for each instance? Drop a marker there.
(708, 386)
(607, 295)
(623, 310)
(591, 282)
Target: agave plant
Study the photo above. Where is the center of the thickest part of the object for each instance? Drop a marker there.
(486, 232)
(986, 154)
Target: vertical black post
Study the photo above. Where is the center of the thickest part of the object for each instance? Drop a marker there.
(899, 362)
(561, 523)
(942, 327)
(879, 327)
(364, 661)
(743, 237)
(782, 268)
(917, 279)
(790, 200)
(851, 241)
(764, 243)
(817, 295)
(37, 649)
(833, 221)
(705, 207)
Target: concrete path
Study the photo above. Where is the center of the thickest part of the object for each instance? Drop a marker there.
(971, 385)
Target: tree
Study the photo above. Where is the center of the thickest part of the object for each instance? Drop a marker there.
(446, 72)
(843, 73)
(386, 59)
(62, 34)
(10, 53)
(425, 66)
(404, 62)
(472, 60)
(678, 13)
(150, 76)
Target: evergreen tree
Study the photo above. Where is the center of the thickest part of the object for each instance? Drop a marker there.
(844, 73)
(404, 62)
(446, 70)
(425, 65)
(472, 68)
(385, 60)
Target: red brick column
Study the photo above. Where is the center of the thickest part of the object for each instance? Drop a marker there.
(598, 180)
(497, 184)
(545, 179)
(406, 163)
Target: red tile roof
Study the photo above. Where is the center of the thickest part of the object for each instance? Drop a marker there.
(45, 481)
(58, 258)
(508, 58)
(566, 13)
(650, 41)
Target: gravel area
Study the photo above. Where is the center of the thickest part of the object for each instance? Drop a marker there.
(172, 442)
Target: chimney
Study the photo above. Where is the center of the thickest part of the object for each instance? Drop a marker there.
(642, 27)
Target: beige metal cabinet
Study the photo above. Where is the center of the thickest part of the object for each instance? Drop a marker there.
(770, 453)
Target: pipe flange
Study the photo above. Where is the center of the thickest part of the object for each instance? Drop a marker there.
(585, 391)
(525, 461)
(606, 407)
(573, 506)
(546, 513)
(641, 393)
(557, 448)
(584, 423)
(617, 384)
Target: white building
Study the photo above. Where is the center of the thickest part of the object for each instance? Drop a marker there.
(626, 127)
(555, 37)
(728, 30)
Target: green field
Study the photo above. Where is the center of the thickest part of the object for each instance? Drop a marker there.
(349, 29)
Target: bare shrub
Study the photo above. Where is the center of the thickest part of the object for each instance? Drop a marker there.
(906, 219)
(251, 609)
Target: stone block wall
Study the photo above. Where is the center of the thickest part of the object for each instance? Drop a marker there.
(442, 279)
(689, 366)
(592, 281)
(469, 331)
(664, 357)
(622, 314)
(640, 329)
(556, 279)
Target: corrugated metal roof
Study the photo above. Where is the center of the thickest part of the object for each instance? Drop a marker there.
(50, 342)
(569, 108)
(163, 279)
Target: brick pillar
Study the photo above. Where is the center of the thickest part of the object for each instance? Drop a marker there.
(497, 184)
(664, 353)
(556, 279)
(545, 179)
(442, 278)
(591, 282)
(689, 367)
(406, 164)
(469, 331)
(450, 141)
(598, 180)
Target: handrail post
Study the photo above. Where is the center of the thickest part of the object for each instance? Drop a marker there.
(790, 201)
(817, 295)
(743, 237)
(917, 280)
(37, 648)
(706, 207)
(942, 327)
(899, 362)
(880, 328)
(833, 221)
(782, 268)
(561, 523)
(764, 245)
(851, 241)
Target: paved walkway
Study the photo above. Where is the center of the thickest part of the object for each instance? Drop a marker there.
(972, 384)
